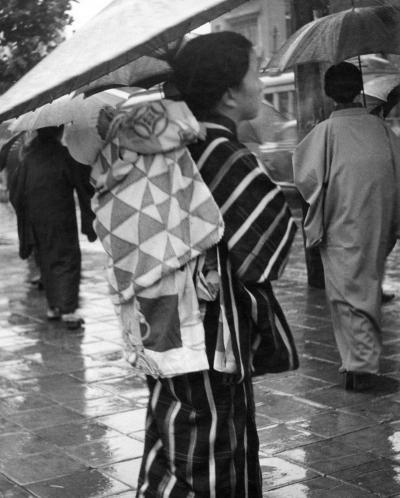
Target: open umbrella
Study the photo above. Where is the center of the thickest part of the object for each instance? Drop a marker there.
(77, 109)
(126, 31)
(340, 36)
(381, 86)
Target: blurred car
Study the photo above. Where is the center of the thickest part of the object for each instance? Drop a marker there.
(276, 156)
(272, 137)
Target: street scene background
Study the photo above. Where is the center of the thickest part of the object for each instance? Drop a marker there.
(72, 410)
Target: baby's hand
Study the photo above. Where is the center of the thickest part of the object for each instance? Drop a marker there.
(101, 184)
(212, 279)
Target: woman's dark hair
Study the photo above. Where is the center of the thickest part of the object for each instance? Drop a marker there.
(343, 82)
(207, 66)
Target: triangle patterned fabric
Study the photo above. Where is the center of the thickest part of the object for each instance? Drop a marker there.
(157, 210)
(155, 217)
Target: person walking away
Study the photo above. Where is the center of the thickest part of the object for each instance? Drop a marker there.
(11, 164)
(48, 181)
(379, 101)
(347, 170)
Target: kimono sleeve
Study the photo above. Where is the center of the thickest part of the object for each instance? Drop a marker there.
(311, 166)
(394, 141)
(80, 178)
(259, 229)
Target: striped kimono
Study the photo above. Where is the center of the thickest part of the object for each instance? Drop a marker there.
(201, 436)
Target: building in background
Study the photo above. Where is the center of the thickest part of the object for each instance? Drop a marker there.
(267, 23)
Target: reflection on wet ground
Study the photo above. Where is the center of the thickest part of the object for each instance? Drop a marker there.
(72, 412)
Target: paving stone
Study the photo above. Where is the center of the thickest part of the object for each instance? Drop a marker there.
(64, 362)
(9, 388)
(9, 489)
(16, 444)
(320, 369)
(45, 417)
(7, 426)
(125, 422)
(107, 450)
(284, 436)
(377, 411)
(333, 423)
(42, 466)
(291, 384)
(382, 439)
(100, 373)
(279, 472)
(380, 476)
(76, 433)
(133, 388)
(68, 401)
(22, 369)
(320, 487)
(23, 402)
(337, 397)
(100, 406)
(88, 484)
(328, 456)
(76, 391)
(286, 408)
(126, 472)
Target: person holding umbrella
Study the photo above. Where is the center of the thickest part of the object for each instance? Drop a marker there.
(347, 170)
(45, 206)
(381, 95)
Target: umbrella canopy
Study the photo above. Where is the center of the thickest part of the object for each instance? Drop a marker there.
(77, 109)
(334, 38)
(123, 32)
(5, 132)
(381, 86)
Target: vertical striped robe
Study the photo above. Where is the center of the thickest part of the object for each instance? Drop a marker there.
(201, 436)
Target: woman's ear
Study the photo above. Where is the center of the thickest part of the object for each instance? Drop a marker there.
(228, 99)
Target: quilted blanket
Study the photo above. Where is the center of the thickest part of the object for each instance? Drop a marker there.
(155, 215)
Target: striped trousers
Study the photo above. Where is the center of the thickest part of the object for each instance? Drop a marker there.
(201, 439)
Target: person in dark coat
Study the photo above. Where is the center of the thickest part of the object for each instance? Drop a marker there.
(11, 164)
(46, 209)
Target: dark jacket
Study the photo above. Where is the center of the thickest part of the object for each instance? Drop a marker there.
(42, 191)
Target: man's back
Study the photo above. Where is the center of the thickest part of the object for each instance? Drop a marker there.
(48, 187)
(361, 188)
(347, 161)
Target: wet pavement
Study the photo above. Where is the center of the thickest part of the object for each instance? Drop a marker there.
(72, 412)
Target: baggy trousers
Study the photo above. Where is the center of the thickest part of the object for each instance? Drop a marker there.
(59, 259)
(201, 439)
(354, 296)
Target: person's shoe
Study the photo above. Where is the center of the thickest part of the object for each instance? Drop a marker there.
(53, 314)
(72, 320)
(37, 282)
(359, 381)
(386, 297)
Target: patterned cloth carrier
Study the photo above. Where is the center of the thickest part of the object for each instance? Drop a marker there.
(155, 217)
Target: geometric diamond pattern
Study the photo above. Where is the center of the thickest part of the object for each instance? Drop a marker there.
(159, 214)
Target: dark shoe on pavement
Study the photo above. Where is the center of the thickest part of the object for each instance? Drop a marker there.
(72, 320)
(53, 314)
(359, 381)
(37, 282)
(387, 297)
